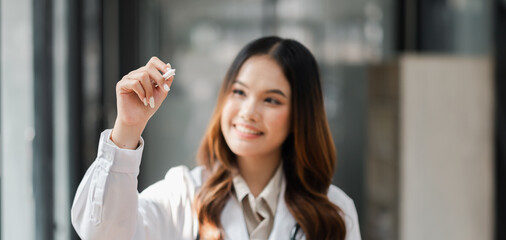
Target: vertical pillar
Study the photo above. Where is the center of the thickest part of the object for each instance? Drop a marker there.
(17, 124)
(431, 148)
(62, 162)
(499, 31)
(43, 118)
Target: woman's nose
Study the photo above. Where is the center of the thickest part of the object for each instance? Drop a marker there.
(249, 111)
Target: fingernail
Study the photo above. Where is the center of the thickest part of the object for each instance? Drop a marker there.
(152, 102)
(145, 102)
(166, 87)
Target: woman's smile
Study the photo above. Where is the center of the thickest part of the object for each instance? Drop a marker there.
(247, 131)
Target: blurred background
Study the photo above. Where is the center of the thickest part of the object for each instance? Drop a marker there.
(413, 95)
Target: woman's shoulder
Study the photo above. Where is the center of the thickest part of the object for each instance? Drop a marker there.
(346, 204)
(338, 196)
(183, 173)
(179, 180)
(341, 199)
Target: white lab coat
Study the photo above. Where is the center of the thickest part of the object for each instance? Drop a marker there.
(108, 206)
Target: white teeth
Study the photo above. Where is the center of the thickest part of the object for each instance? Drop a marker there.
(246, 130)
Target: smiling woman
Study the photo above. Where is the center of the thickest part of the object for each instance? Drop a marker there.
(256, 117)
(266, 160)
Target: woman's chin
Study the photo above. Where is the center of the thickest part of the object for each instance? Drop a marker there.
(244, 152)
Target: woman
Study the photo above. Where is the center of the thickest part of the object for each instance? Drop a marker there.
(266, 160)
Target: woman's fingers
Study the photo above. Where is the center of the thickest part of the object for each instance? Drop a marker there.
(155, 76)
(144, 79)
(158, 64)
(128, 85)
(136, 86)
(169, 81)
(159, 68)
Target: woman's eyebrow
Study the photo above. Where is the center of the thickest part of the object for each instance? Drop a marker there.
(241, 83)
(276, 91)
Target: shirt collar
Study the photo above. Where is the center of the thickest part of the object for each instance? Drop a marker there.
(270, 193)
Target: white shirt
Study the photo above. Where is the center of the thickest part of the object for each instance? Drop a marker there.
(108, 206)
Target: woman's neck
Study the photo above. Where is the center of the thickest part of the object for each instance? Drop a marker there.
(257, 171)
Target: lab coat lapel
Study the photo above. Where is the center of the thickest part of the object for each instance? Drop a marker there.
(234, 224)
(232, 220)
(283, 219)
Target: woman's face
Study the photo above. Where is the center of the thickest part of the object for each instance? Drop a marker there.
(256, 114)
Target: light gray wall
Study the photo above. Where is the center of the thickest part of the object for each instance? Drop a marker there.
(446, 157)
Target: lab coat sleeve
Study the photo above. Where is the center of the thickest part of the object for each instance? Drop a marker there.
(107, 204)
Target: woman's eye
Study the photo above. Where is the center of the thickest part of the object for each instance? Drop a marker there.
(238, 92)
(272, 101)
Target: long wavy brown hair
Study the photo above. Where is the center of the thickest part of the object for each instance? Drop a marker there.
(308, 153)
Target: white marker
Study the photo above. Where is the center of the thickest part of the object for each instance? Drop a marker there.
(169, 73)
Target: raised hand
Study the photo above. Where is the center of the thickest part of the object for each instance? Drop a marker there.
(139, 94)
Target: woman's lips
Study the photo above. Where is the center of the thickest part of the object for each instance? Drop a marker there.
(247, 131)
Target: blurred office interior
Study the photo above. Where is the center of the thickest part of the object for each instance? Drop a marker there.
(412, 92)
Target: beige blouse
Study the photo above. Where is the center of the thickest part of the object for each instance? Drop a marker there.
(259, 212)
